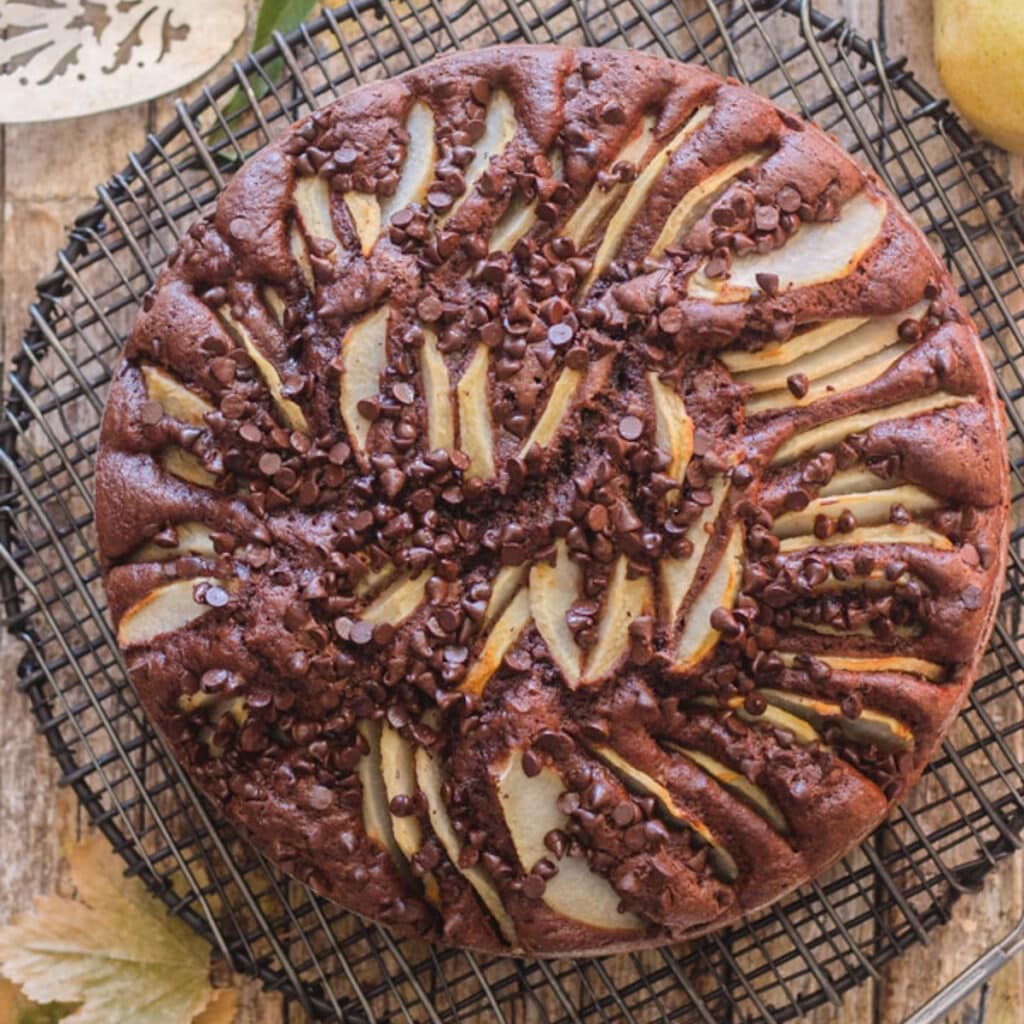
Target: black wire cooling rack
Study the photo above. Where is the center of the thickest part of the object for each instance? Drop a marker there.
(966, 815)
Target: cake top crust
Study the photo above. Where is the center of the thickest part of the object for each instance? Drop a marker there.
(554, 502)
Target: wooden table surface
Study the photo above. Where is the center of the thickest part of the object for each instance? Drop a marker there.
(48, 174)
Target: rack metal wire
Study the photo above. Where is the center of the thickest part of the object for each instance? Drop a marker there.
(966, 815)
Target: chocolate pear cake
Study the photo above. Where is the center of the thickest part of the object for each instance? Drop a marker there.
(556, 502)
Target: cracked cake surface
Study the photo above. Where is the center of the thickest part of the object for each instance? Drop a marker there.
(555, 502)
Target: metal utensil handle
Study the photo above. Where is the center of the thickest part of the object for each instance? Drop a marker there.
(971, 978)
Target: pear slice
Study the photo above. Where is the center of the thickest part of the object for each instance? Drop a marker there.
(275, 303)
(801, 344)
(801, 731)
(364, 209)
(186, 466)
(499, 129)
(300, 253)
(698, 638)
(869, 727)
(376, 813)
(640, 782)
(853, 481)
(173, 397)
(417, 166)
(193, 539)
(870, 508)
(817, 253)
(395, 604)
(676, 575)
(475, 431)
(503, 636)
(376, 579)
(437, 393)
(598, 202)
(530, 807)
(692, 205)
(364, 353)
(504, 587)
(430, 780)
(165, 609)
(625, 600)
(826, 629)
(847, 379)
(848, 351)
(889, 533)
(553, 591)
(739, 785)
(905, 666)
(398, 770)
(555, 411)
(673, 428)
(290, 412)
(520, 215)
(636, 196)
(828, 435)
(312, 197)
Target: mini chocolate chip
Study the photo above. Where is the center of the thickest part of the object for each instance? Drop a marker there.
(360, 633)
(216, 597)
(971, 596)
(768, 283)
(631, 428)
(152, 413)
(269, 463)
(560, 334)
(754, 703)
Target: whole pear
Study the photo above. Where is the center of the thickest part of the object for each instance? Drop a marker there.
(979, 51)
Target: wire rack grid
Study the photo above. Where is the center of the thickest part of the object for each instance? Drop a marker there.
(966, 815)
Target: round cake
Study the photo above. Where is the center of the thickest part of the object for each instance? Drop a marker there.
(556, 502)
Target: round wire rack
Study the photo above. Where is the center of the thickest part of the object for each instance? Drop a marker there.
(965, 816)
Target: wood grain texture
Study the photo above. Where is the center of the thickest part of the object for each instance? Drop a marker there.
(48, 173)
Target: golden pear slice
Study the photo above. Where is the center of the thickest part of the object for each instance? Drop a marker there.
(503, 636)
(504, 587)
(437, 393)
(834, 432)
(520, 215)
(889, 533)
(598, 201)
(853, 481)
(312, 197)
(186, 466)
(673, 428)
(739, 785)
(869, 727)
(906, 666)
(640, 782)
(802, 732)
(430, 780)
(817, 253)
(475, 431)
(173, 397)
(636, 196)
(419, 162)
(870, 508)
(826, 629)
(376, 579)
(693, 204)
(847, 379)
(499, 128)
(274, 301)
(376, 813)
(801, 344)
(848, 352)
(165, 609)
(398, 770)
(625, 600)
(364, 209)
(555, 411)
(698, 638)
(364, 354)
(290, 412)
(300, 253)
(676, 575)
(530, 807)
(553, 591)
(395, 604)
(193, 539)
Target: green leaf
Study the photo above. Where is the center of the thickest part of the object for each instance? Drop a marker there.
(279, 16)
